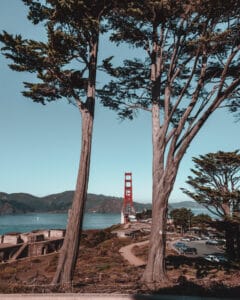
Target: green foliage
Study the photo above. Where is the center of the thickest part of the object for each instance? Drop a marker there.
(181, 217)
(201, 220)
(132, 83)
(215, 182)
(191, 45)
(62, 63)
(231, 228)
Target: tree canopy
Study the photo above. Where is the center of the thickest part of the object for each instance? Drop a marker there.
(216, 185)
(192, 53)
(62, 63)
(201, 220)
(190, 69)
(65, 66)
(182, 217)
(216, 182)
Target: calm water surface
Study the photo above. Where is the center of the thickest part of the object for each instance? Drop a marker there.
(29, 222)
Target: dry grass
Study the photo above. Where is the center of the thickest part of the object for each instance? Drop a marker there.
(100, 268)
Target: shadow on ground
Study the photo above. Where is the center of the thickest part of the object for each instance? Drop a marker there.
(189, 288)
(202, 267)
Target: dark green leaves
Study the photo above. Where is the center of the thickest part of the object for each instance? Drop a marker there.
(61, 64)
(181, 217)
(131, 83)
(216, 181)
(27, 55)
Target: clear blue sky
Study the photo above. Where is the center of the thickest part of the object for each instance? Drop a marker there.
(40, 145)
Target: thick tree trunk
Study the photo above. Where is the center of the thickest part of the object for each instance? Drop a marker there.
(229, 236)
(238, 242)
(69, 251)
(155, 275)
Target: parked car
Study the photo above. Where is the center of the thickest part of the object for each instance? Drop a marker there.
(198, 238)
(221, 242)
(204, 237)
(211, 242)
(211, 257)
(186, 239)
(221, 258)
(194, 238)
(217, 257)
(190, 250)
(180, 247)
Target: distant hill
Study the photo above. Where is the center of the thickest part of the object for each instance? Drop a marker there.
(19, 203)
(186, 204)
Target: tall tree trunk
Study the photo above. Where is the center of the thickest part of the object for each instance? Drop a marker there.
(238, 242)
(69, 250)
(155, 275)
(229, 236)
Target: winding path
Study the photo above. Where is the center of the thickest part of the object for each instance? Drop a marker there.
(126, 252)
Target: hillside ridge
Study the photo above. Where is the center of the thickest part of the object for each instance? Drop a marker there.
(19, 203)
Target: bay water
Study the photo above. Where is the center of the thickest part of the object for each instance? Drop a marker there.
(34, 221)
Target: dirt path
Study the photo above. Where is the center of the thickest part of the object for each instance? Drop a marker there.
(126, 252)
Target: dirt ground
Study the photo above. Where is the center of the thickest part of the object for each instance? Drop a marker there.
(102, 269)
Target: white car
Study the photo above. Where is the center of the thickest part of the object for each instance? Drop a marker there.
(211, 257)
(212, 242)
(186, 239)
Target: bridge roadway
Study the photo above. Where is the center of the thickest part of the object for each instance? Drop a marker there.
(101, 297)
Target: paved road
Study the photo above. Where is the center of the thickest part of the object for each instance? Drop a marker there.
(202, 248)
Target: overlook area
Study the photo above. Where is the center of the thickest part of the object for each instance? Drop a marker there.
(101, 267)
(135, 99)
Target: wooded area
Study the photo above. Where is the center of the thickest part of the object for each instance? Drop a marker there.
(190, 69)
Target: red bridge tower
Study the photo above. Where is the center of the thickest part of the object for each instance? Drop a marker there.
(128, 211)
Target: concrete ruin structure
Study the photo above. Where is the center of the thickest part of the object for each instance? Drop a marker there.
(20, 245)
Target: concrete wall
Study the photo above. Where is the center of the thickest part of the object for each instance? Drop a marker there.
(24, 237)
(32, 236)
(11, 239)
(35, 237)
(46, 233)
(57, 233)
(36, 249)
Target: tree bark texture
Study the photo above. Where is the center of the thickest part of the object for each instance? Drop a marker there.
(229, 242)
(155, 275)
(69, 251)
(170, 141)
(238, 242)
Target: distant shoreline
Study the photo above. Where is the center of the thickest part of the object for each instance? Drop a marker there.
(42, 221)
(22, 203)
